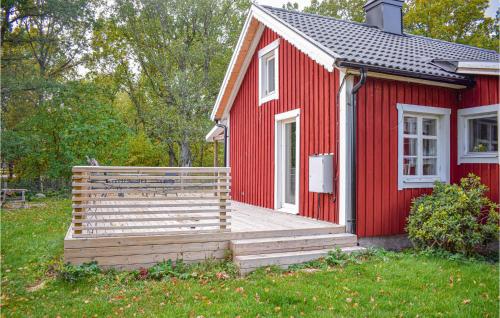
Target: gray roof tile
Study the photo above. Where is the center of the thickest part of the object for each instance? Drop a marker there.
(367, 45)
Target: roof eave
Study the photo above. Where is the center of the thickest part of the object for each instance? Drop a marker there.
(466, 81)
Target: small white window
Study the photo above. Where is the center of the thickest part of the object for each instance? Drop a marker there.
(268, 72)
(423, 146)
(478, 134)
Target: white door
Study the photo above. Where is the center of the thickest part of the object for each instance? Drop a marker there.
(287, 162)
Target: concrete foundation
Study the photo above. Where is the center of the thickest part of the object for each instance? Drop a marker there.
(393, 242)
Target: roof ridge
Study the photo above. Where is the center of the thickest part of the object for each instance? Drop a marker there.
(368, 26)
(316, 15)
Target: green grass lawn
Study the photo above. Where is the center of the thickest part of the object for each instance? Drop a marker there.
(399, 284)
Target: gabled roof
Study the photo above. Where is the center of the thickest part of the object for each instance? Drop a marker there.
(331, 42)
(366, 45)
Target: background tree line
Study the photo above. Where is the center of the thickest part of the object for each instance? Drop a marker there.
(132, 82)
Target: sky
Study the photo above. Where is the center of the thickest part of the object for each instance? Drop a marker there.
(494, 4)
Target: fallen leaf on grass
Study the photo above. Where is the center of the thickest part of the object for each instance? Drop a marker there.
(466, 301)
(37, 286)
(239, 290)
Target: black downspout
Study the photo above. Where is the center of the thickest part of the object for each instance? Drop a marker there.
(351, 220)
(225, 141)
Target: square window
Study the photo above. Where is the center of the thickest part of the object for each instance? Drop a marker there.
(429, 167)
(483, 134)
(410, 125)
(429, 147)
(429, 127)
(478, 134)
(410, 166)
(423, 136)
(410, 146)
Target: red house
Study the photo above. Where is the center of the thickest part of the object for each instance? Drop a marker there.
(348, 122)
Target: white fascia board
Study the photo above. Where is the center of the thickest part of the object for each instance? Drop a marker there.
(231, 64)
(215, 132)
(302, 42)
(478, 68)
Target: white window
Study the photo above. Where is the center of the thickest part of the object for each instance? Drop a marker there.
(423, 146)
(268, 72)
(478, 134)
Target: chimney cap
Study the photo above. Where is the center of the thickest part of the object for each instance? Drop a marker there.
(371, 3)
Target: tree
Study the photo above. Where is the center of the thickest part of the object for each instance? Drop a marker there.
(43, 41)
(460, 21)
(180, 50)
(74, 122)
(350, 10)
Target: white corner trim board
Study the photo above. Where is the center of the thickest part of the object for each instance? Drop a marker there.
(442, 115)
(345, 153)
(466, 114)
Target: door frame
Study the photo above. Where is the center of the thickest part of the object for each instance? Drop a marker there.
(279, 121)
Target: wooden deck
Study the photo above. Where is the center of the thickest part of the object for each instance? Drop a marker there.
(132, 217)
(130, 251)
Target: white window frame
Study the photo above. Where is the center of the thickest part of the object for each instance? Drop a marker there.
(279, 120)
(464, 115)
(265, 53)
(443, 145)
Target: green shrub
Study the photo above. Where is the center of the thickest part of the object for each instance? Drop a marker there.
(74, 273)
(207, 270)
(168, 269)
(458, 218)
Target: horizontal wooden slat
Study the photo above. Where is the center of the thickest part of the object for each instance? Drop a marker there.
(150, 169)
(171, 219)
(103, 185)
(137, 199)
(151, 233)
(154, 177)
(149, 205)
(149, 191)
(135, 212)
(142, 227)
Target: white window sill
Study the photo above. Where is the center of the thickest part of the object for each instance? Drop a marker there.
(419, 184)
(268, 98)
(479, 158)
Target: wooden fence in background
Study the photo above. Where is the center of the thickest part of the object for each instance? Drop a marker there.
(128, 201)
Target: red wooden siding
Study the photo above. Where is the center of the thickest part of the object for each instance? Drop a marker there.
(382, 209)
(302, 84)
(484, 93)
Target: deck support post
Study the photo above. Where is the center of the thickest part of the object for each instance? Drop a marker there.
(77, 198)
(216, 153)
(223, 204)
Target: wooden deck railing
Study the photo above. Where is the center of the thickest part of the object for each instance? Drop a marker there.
(124, 201)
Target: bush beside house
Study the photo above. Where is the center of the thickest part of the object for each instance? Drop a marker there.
(455, 217)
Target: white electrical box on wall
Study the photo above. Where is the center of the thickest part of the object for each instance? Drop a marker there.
(321, 173)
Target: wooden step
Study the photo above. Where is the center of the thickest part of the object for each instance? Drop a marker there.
(249, 263)
(291, 243)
